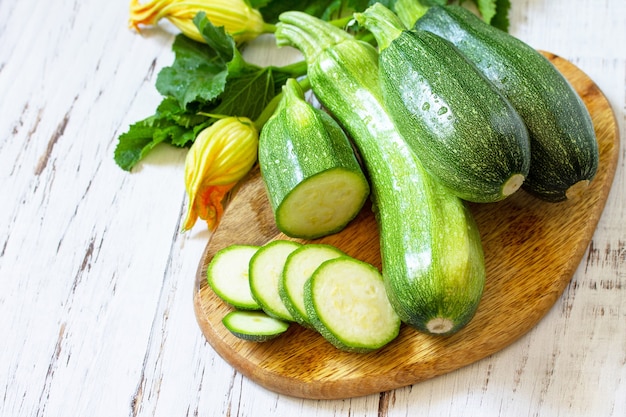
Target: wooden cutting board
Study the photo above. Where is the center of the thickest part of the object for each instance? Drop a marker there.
(532, 249)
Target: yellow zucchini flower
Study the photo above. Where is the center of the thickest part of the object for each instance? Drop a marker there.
(239, 20)
(221, 155)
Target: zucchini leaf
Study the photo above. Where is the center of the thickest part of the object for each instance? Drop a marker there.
(200, 71)
(197, 74)
(493, 12)
(487, 9)
(501, 18)
(434, 2)
(324, 9)
(170, 124)
(211, 78)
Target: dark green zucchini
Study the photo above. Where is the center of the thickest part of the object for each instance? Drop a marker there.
(432, 257)
(564, 150)
(467, 135)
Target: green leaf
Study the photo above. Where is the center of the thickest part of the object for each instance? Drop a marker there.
(134, 144)
(141, 138)
(200, 72)
(247, 88)
(170, 124)
(197, 74)
(494, 12)
(433, 2)
(501, 18)
(171, 110)
(216, 37)
(487, 9)
(257, 4)
(211, 78)
(324, 9)
(272, 9)
(248, 95)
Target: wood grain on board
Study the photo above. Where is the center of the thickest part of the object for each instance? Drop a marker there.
(532, 249)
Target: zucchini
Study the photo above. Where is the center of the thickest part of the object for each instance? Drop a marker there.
(265, 268)
(347, 304)
(299, 267)
(564, 150)
(466, 134)
(254, 326)
(227, 275)
(313, 178)
(431, 253)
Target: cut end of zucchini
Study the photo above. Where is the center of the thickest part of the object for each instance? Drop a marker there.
(254, 326)
(575, 191)
(323, 204)
(440, 325)
(512, 184)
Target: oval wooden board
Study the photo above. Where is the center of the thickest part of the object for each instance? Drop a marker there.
(532, 249)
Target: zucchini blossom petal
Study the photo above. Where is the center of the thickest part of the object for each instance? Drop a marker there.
(241, 21)
(221, 155)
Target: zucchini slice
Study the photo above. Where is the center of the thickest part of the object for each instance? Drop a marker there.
(347, 304)
(266, 268)
(254, 326)
(299, 267)
(227, 275)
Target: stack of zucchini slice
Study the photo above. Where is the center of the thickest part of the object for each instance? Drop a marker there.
(315, 285)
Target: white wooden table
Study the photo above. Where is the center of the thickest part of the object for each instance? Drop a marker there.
(96, 281)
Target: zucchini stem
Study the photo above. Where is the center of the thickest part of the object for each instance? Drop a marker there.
(295, 70)
(382, 23)
(268, 111)
(270, 108)
(410, 11)
(307, 33)
(269, 28)
(342, 22)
